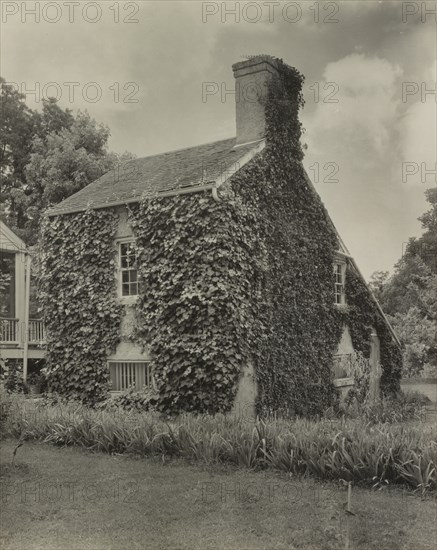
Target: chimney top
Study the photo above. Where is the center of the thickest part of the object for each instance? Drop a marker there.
(252, 78)
(257, 63)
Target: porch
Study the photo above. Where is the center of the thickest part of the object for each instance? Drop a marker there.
(13, 335)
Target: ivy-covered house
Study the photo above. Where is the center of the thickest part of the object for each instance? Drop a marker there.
(213, 274)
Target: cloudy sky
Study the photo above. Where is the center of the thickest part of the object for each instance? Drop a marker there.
(139, 67)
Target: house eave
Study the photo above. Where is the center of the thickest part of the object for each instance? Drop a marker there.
(171, 193)
(10, 241)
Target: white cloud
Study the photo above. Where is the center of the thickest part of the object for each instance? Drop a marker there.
(417, 129)
(361, 121)
(361, 135)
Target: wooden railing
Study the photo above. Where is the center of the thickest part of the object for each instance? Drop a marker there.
(136, 374)
(11, 331)
(37, 331)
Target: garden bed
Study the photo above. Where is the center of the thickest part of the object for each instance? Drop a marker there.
(350, 450)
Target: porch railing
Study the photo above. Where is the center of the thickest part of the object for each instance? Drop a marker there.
(12, 331)
(37, 331)
(9, 331)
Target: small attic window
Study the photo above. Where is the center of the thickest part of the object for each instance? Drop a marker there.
(128, 269)
(340, 278)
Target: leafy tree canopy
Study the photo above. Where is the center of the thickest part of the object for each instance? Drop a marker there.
(409, 296)
(45, 157)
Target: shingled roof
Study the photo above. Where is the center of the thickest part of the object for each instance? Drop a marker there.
(188, 169)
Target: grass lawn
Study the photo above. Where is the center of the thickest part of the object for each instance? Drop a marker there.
(55, 498)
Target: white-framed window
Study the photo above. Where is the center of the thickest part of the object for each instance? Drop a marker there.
(128, 274)
(343, 370)
(339, 283)
(130, 374)
(341, 365)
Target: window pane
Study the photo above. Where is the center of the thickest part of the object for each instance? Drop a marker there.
(129, 289)
(133, 289)
(129, 275)
(339, 274)
(127, 255)
(341, 363)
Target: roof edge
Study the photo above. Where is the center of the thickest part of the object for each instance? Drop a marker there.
(11, 237)
(345, 252)
(378, 305)
(215, 184)
(99, 206)
(240, 163)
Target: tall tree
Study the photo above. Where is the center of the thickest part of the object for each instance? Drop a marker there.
(403, 289)
(17, 128)
(45, 156)
(19, 125)
(377, 282)
(426, 246)
(409, 296)
(65, 162)
(53, 118)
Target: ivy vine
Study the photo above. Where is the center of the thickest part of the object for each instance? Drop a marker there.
(363, 315)
(78, 298)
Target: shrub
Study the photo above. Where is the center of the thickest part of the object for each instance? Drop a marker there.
(38, 379)
(385, 410)
(5, 409)
(413, 396)
(131, 400)
(399, 408)
(13, 378)
(10, 403)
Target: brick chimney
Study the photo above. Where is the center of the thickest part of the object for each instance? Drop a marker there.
(252, 78)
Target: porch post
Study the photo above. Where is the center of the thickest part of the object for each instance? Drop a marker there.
(26, 316)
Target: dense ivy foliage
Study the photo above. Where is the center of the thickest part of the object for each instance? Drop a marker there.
(301, 327)
(244, 281)
(197, 266)
(77, 292)
(362, 316)
(298, 325)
